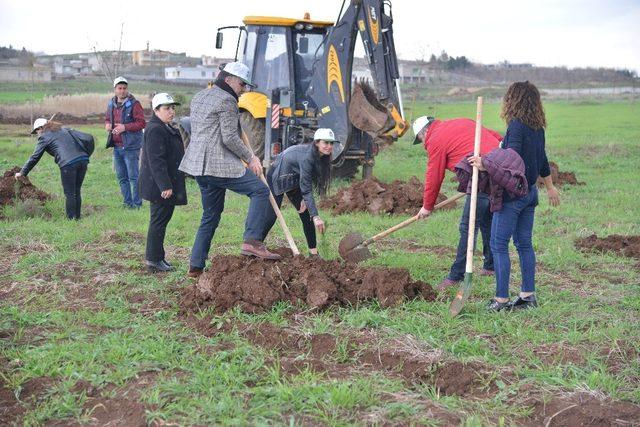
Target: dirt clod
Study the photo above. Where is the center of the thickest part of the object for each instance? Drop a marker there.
(560, 178)
(376, 197)
(21, 189)
(255, 285)
(628, 246)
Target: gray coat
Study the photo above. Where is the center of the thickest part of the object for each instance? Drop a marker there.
(294, 168)
(216, 148)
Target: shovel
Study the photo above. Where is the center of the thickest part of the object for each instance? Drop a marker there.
(354, 248)
(465, 288)
(274, 205)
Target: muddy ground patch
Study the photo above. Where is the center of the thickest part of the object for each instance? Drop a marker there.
(376, 197)
(628, 246)
(21, 189)
(561, 178)
(255, 285)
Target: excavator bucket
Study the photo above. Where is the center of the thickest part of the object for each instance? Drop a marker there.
(367, 113)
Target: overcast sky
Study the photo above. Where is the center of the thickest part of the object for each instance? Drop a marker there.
(573, 33)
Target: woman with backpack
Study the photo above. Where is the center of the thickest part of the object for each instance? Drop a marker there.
(71, 150)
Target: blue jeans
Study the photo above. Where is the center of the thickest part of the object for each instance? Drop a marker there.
(514, 220)
(126, 163)
(483, 222)
(213, 190)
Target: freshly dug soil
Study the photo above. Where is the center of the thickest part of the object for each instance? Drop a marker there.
(376, 197)
(583, 409)
(256, 285)
(23, 187)
(560, 178)
(628, 246)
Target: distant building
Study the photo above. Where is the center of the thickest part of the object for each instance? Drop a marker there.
(158, 58)
(212, 61)
(198, 73)
(38, 73)
(77, 64)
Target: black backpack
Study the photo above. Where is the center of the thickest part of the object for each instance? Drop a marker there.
(84, 140)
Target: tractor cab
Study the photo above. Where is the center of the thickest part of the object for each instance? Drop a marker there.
(282, 53)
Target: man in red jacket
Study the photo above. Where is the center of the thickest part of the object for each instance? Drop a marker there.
(447, 142)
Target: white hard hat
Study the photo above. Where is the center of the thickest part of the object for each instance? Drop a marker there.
(240, 70)
(325, 134)
(120, 79)
(162, 99)
(420, 124)
(38, 124)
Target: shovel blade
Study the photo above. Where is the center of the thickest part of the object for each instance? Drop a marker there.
(349, 242)
(462, 295)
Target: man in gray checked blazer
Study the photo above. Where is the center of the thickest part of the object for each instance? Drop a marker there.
(215, 158)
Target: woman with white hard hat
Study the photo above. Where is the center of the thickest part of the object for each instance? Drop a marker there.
(296, 172)
(70, 154)
(160, 181)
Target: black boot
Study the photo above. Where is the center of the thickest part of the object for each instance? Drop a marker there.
(157, 266)
(522, 303)
(497, 306)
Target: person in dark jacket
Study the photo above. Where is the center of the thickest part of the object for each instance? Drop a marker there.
(124, 120)
(161, 183)
(295, 172)
(68, 154)
(522, 111)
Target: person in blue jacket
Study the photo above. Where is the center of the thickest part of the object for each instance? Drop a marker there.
(523, 112)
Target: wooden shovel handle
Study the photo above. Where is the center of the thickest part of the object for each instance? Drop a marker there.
(409, 221)
(283, 224)
(274, 205)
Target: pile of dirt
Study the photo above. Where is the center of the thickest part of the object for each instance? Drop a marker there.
(255, 285)
(628, 246)
(560, 178)
(21, 189)
(583, 409)
(375, 197)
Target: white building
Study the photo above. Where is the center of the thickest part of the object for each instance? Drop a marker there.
(198, 73)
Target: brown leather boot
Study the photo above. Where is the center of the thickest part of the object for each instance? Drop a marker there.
(195, 272)
(258, 249)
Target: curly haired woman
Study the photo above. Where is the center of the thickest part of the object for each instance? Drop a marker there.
(523, 112)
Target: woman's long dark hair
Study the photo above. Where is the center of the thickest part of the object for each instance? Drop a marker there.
(522, 101)
(322, 168)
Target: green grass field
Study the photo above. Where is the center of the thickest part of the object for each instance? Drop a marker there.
(85, 331)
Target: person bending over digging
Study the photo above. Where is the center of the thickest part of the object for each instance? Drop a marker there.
(522, 111)
(69, 154)
(295, 172)
(446, 143)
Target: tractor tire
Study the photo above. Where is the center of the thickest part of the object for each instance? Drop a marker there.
(347, 170)
(254, 129)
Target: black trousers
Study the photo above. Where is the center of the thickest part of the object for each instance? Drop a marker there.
(159, 217)
(295, 197)
(72, 177)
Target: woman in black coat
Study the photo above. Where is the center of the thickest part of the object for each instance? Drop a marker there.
(69, 155)
(160, 182)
